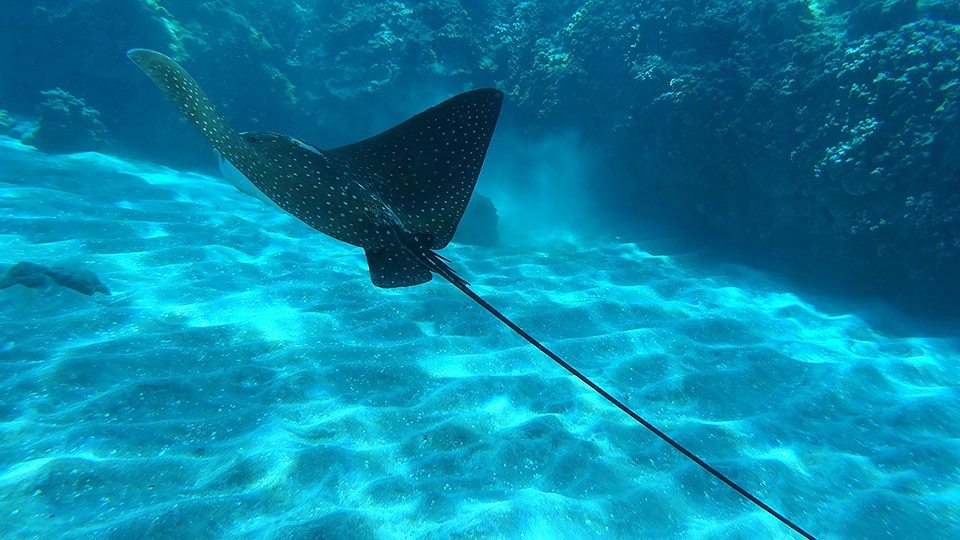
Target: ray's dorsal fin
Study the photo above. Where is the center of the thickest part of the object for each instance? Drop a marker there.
(425, 168)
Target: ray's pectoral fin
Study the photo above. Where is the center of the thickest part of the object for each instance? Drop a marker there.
(192, 102)
(425, 169)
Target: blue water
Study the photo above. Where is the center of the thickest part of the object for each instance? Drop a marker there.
(245, 380)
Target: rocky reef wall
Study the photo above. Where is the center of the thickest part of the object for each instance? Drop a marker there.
(816, 137)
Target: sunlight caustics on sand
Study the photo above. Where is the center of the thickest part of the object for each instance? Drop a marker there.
(245, 380)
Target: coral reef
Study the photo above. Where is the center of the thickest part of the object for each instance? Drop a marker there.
(826, 153)
(66, 124)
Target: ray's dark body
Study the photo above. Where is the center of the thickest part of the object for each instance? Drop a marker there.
(398, 195)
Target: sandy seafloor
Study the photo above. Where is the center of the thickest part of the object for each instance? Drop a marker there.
(245, 380)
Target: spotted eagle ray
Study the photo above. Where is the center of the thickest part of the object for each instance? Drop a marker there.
(398, 195)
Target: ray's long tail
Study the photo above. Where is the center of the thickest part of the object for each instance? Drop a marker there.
(442, 269)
